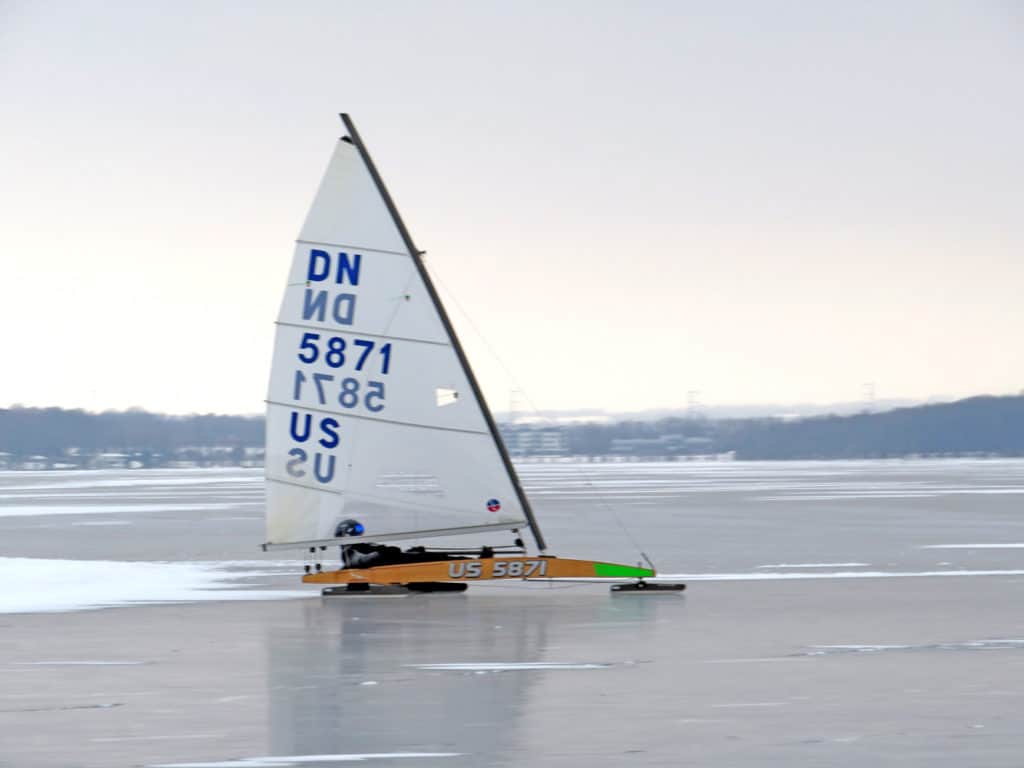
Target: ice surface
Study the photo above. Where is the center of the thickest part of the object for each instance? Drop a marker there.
(288, 677)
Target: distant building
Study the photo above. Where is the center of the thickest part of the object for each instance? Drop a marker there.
(34, 463)
(208, 451)
(663, 445)
(252, 456)
(534, 441)
(110, 461)
(223, 455)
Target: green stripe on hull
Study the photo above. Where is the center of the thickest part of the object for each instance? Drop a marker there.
(614, 571)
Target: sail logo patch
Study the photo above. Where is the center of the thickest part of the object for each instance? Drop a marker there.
(493, 505)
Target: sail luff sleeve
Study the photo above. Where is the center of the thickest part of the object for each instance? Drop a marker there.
(414, 253)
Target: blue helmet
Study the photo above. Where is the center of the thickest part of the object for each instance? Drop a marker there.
(349, 527)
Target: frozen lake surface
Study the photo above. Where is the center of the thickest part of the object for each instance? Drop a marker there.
(839, 613)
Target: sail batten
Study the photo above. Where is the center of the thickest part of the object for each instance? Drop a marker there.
(399, 536)
(313, 327)
(372, 412)
(350, 247)
(505, 522)
(410, 424)
(314, 488)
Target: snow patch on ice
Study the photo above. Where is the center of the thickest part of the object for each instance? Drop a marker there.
(1010, 545)
(816, 565)
(1007, 644)
(828, 575)
(289, 760)
(173, 737)
(860, 648)
(44, 586)
(39, 510)
(508, 667)
(62, 480)
(924, 493)
(103, 522)
(89, 663)
(758, 660)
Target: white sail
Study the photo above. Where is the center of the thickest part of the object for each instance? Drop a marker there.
(371, 415)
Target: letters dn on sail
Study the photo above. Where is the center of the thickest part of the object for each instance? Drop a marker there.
(324, 267)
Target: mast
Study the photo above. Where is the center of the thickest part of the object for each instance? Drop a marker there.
(414, 253)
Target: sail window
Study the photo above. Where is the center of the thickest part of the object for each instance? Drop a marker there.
(445, 396)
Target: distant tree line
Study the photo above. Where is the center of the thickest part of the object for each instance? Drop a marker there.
(978, 425)
(55, 432)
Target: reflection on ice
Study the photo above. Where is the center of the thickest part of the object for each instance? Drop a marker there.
(466, 673)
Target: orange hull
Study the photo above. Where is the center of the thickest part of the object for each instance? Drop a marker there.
(470, 570)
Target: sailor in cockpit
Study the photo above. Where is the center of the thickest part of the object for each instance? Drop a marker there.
(368, 555)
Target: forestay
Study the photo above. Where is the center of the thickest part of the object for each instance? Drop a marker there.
(370, 413)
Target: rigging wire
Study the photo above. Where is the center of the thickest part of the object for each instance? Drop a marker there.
(601, 500)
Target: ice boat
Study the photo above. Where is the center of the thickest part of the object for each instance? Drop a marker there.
(377, 430)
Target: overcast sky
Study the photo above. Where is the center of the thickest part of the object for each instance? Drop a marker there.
(762, 202)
